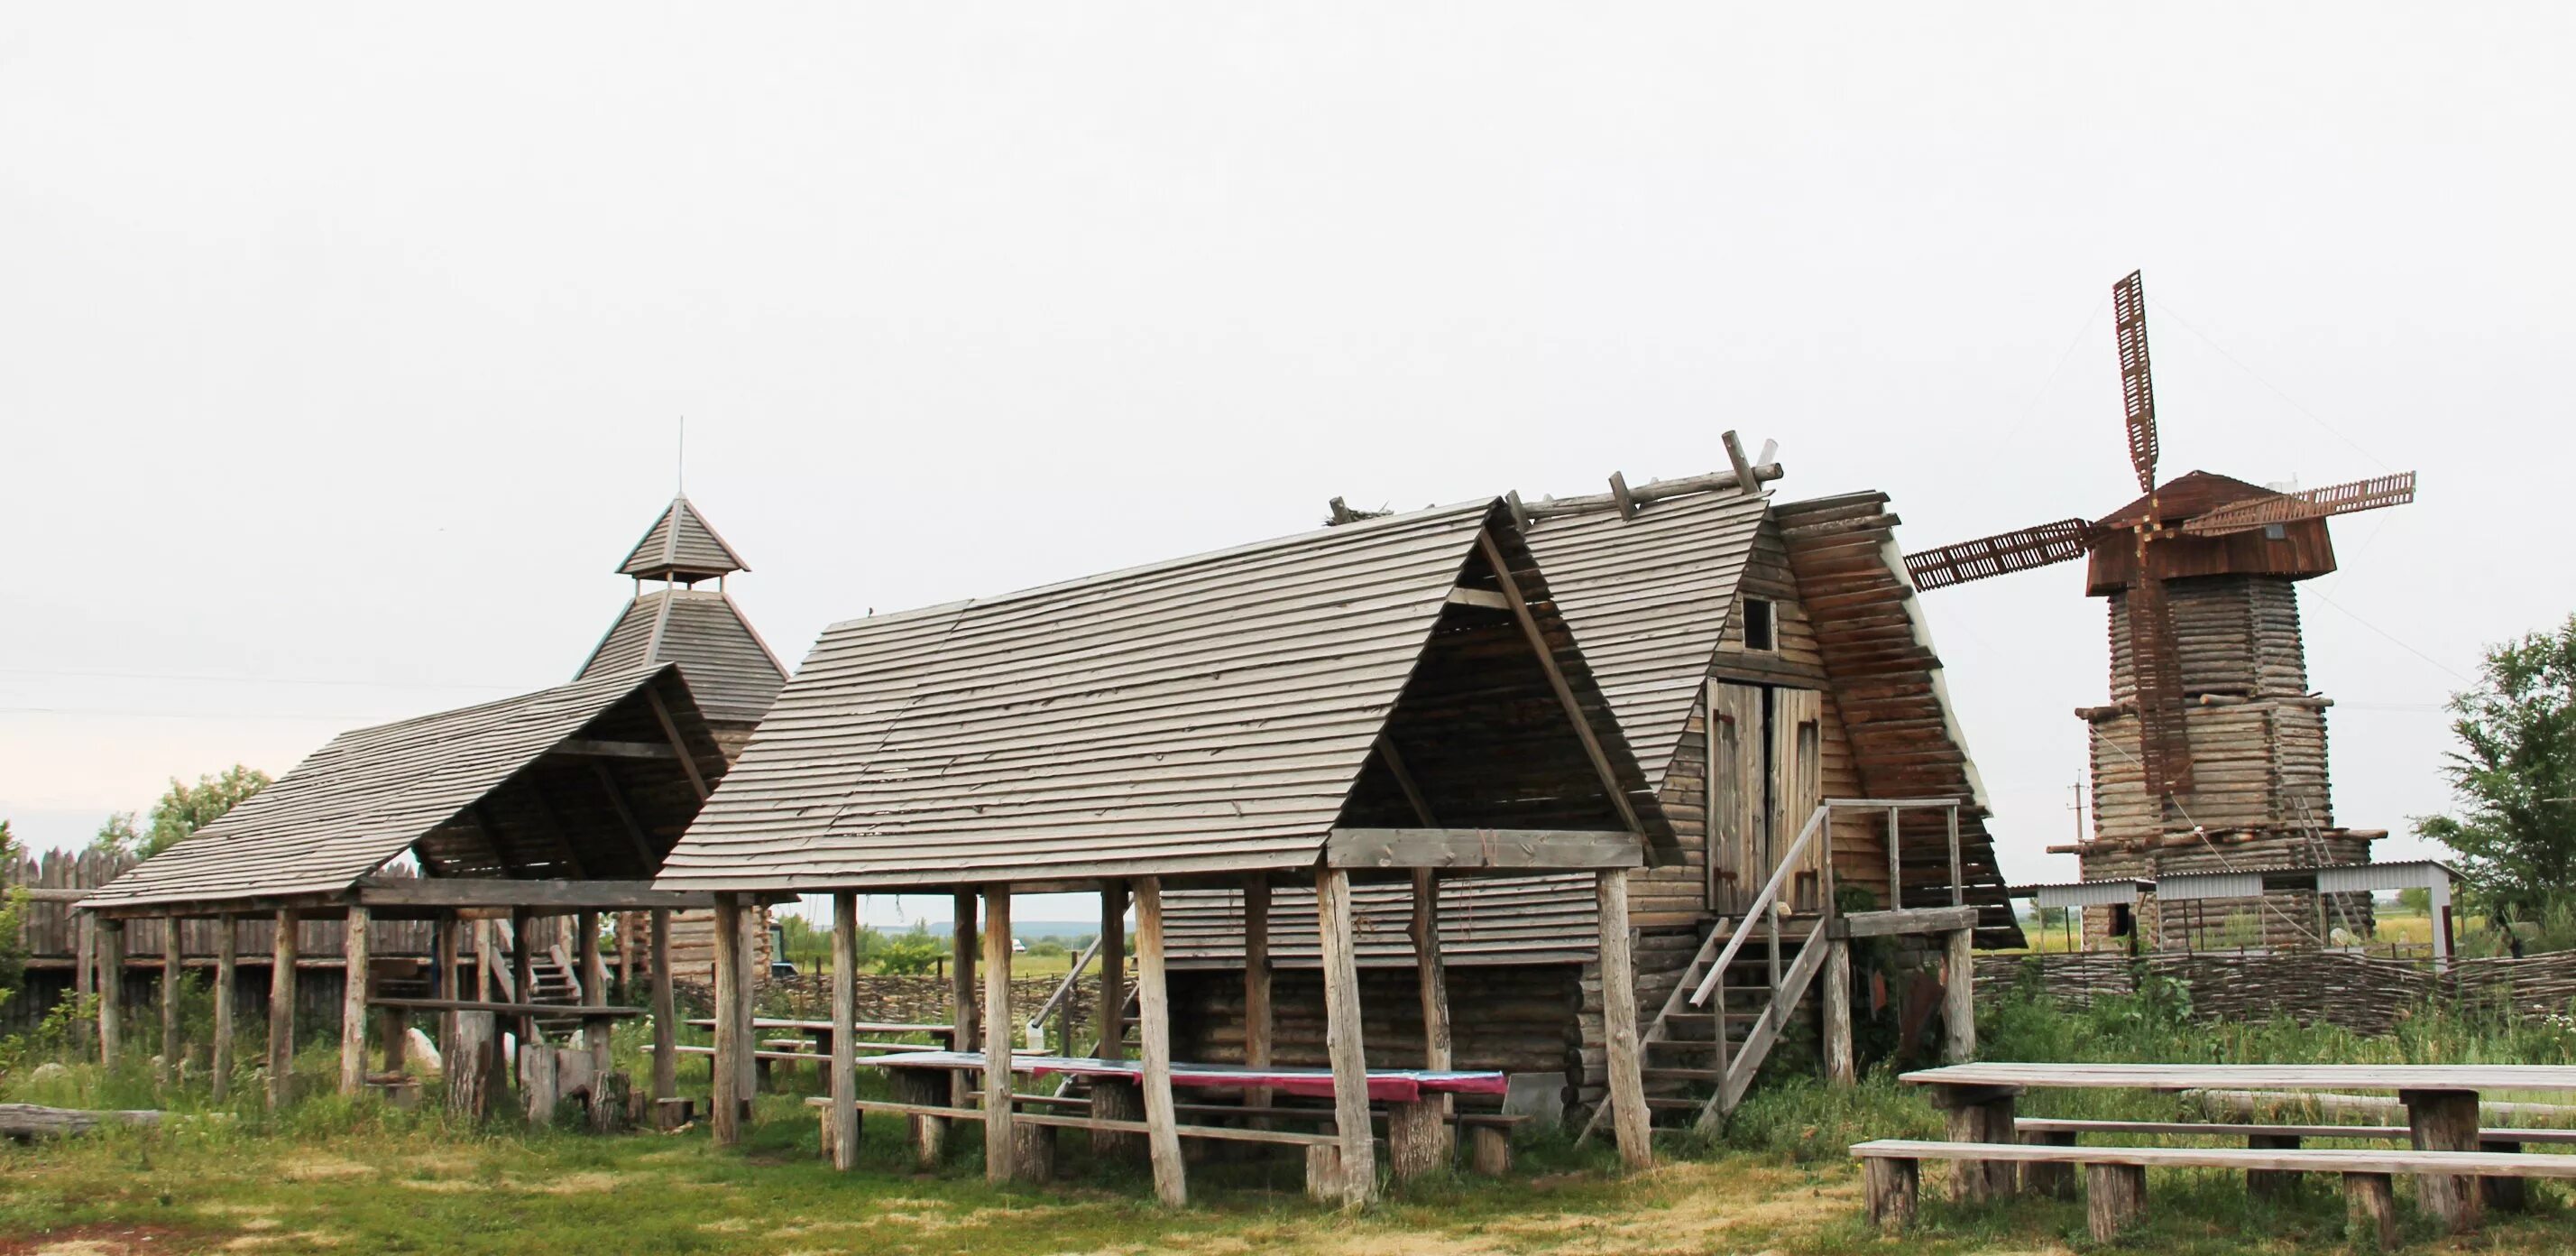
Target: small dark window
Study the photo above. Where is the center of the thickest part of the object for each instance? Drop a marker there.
(2275, 532)
(1758, 634)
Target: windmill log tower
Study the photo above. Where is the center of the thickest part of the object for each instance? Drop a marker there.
(2211, 754)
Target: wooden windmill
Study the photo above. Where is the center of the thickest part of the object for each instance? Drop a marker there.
(2199, 574)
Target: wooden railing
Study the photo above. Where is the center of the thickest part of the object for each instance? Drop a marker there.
(1035, 1031)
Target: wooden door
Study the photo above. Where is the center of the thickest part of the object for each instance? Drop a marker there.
(1797, 789)
(1737, 796)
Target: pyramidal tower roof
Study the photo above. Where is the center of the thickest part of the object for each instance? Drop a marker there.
(681, 545)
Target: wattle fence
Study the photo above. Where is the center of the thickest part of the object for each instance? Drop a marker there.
(2367, 994)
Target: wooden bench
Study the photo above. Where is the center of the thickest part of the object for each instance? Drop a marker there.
(2059, 1179)
(2115, 1178)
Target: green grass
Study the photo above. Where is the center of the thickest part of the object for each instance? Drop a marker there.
(332, 1175)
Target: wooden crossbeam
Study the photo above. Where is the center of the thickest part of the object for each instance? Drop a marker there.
(1556, 680)
(454, 892)
(1483, 848)
(590, 748)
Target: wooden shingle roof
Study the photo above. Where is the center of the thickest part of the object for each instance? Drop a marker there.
(1207, 715)
(681, 545)
(730, 668)
(370, 794)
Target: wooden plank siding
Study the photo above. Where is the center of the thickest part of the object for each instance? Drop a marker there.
(730, 668)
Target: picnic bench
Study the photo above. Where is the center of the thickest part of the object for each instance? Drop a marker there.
(922, 1085)
(2450, 1153)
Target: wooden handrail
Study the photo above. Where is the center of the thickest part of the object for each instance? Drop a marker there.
(1769, 898)
(1063, 992)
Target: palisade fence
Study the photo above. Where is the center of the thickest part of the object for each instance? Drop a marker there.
(2364, 993)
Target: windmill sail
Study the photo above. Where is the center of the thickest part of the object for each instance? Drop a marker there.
(2156, 664)
(1996, 555)
(2137, 383)
(2314, 503)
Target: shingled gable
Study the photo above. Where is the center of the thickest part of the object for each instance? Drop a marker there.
(476, 792)
(1213, 715)
(730, 668)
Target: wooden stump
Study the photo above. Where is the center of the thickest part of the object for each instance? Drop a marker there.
(672, 1112)
(470, 1066)
(2446, 1120)
(1894, 1190)
(2370, 1210)
(2506, 1194)
(1324, 1173)
(2272, 1183)
(1417, 1143)
(1033, 1159)
(1117, 1099)
(929, 1133)
(1982, 1118)
(540, 1084)
(1489, 1150)
(2114, 1196)
(2055, 1181)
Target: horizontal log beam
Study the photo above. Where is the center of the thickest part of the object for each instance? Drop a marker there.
(1879, 924)
(592, 749)
(509, 892)
(1484, 848)
(1487, 599)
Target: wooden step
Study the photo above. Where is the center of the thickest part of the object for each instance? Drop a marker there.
(1682, 1074)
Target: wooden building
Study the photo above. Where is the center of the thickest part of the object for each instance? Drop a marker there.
(558, 802)
(1394, 702)
(1794, 625)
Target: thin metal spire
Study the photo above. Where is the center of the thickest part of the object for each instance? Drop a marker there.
(680, 471)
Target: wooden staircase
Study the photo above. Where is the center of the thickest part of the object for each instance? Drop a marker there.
(552, 978)
(1699, 1059)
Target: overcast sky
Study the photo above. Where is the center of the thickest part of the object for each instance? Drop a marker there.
(344, 348)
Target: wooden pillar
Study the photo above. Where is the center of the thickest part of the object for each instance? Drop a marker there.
(281, 1013)
(666, 1027)
(1893, 1191)
(84, 971)
(483, 961)
(1980, 1114)
(729, 1096)
(844, 1118)
(1256, 984)
(353, 1005)
(604, 1113)
(1154, 1017)
(443, 974)
(171, 1047)
(1113, 971)
(2370, 1209)
(624, 923)
(1840, 1067)
(2114, 1197)
(1959, 998)
(225, 945)
(1433, 979)
(2446, 1120)
(1627, 1097)
(523, 971)
(746, 993)
(1344, 1037)
(961, 988)
(1000, 1146)
(111, 986)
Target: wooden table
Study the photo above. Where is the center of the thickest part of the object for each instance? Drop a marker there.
(2441, 1105)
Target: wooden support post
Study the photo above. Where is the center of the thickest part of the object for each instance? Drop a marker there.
(1840, 1067)
(2504, 1194)
(472, 1066)
(111, 989)
(443, 983)
(1437, 1153)
(2114, 1196)
(353, 1005)
(281, 1013)
(2370, 1211)
(731, 1047)
(746, 990)
(666, 1013)
(1959, 998)
(2050, 1180)
(1154, 1017)
(523, 972)
(1256, 984)
(2446, 1120)
(604, 1114)
(961, 988)
(84, 971)
(623, 923)
(1001, 1147)
(1113, 972)
(1980, 1114)
(929, 1133)
(1344, 1039)
(2272, 1183)
(844, 1119)
(172, 1050)
(1627, 1097)
(1893, 1191)
(483, 962)
(226, 943)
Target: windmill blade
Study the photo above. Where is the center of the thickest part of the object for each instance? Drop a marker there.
(2312, 503)
(1996, 555)
(2137, 384)
(2163, 750)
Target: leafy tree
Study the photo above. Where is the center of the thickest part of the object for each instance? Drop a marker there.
(183, 810)
(907, 954)
(2515, 777)
(13, 910)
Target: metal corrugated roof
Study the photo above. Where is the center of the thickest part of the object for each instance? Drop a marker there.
(681, 540)
(730, 669)
(1648, 600)
(365, 797)
(1209, 714)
